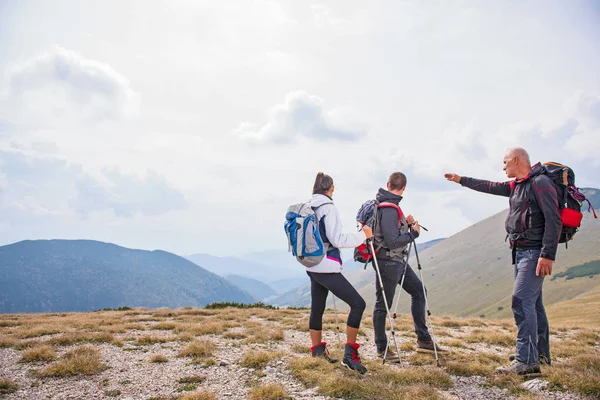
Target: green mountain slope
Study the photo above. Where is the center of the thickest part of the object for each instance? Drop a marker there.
(82, 275)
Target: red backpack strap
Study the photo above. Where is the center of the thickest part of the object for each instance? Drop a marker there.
(392, 205)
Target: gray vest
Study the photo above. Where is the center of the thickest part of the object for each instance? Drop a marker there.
(395, 254)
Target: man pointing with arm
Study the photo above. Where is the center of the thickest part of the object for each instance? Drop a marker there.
(533, 226)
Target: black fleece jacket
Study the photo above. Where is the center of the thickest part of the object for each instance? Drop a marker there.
(393, 238)
(533, 217)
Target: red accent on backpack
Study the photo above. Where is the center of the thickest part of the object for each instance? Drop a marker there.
(570, 218)
(362, 252)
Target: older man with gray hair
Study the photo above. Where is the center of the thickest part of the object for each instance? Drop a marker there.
(533, 225)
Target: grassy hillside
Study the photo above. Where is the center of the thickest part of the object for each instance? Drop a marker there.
(82, 275)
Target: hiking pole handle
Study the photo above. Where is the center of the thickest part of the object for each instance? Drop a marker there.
(411, 225)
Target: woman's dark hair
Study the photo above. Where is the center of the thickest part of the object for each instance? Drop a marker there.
(323, 183)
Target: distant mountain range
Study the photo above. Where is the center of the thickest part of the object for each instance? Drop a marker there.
(85, 275)
(468, 274)
(276, 268)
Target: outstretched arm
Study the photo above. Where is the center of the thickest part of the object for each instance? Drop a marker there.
(497, 188)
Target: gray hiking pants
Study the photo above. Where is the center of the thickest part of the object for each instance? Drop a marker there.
(533, 333)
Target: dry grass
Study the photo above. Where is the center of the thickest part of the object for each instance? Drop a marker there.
(208, 328)
(200, 395)
(9, 323)
(300, 349)
(407, 347)
(7, 342)
(382, 382)
(71, 338)
(84, 360)
(567, 348)
(580, 374)
(41, 353)
(454, 343)
(258, 359)
(586, 336)
(7, 387)
(158, 358)
(184, 337)
(491, 336)
(165, 326)
(234, 334)
(264, 335)
(268, 391)
(28, 332)
(480, 363)
(149, 340)
(575, 352)
(198, 348)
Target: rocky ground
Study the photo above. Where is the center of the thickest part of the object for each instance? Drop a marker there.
(129, 373)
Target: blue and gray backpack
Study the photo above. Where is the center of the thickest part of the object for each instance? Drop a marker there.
(304, 237)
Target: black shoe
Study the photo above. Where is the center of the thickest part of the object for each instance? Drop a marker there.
(428, 345)
(320, 350)
(389, 356)
(519, 368)
(542, 359)
(351, 359)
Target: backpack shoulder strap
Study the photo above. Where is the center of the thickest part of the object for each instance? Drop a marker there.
(320, 205)
(392, 205)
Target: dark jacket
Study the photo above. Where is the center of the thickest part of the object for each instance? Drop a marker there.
(533, 220)
(391, 233)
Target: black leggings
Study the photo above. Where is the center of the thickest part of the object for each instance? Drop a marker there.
(320, 285)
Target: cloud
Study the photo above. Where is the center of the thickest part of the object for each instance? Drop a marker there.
(303, 116)
(61, 82)
(127, 195)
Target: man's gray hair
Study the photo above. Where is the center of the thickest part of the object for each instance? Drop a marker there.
(520, 153)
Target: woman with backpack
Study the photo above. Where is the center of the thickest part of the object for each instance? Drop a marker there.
(326, 276)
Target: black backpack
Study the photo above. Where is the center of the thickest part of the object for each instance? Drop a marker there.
(570, 199)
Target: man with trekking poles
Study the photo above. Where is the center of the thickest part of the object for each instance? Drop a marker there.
(534, 229)
(394, 235)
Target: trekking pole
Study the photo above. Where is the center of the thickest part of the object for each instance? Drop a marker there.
(437, 361)
(387, 309)
(402, 280)
(337, 324)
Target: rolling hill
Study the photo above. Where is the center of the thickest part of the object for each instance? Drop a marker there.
(85, 275)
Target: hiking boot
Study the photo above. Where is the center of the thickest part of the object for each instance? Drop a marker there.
(351, 359)
(519, 368)
(390, 356)
(320, 350)
(542, 359)
(428, 345)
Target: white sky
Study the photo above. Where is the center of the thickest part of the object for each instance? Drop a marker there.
(190, 126)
